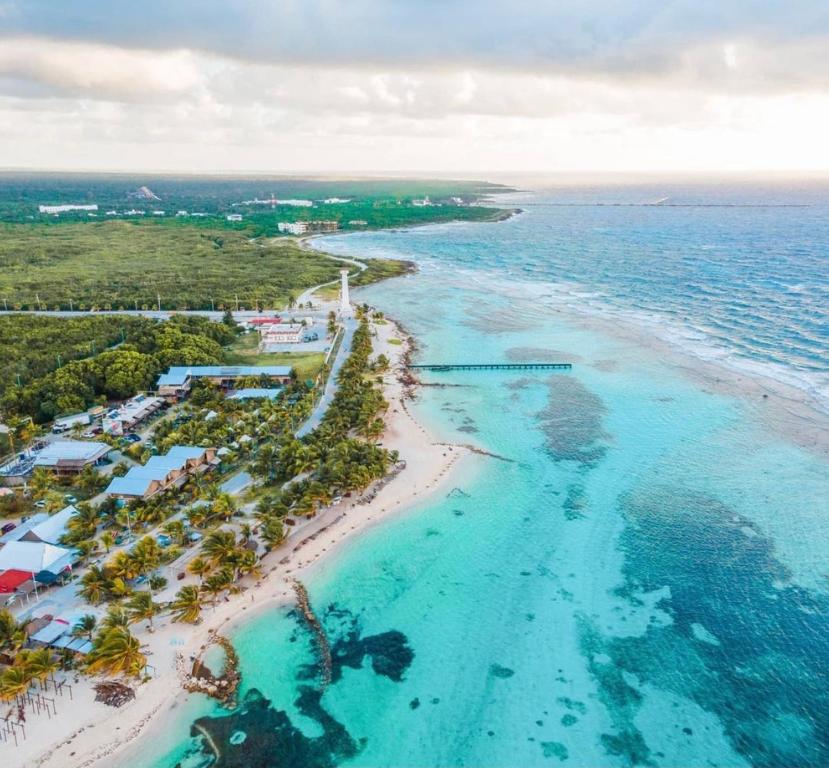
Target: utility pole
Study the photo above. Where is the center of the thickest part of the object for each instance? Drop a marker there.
(59, 363)
(159, 302)
(70, 306)
(37, 296)
(6, 305)
(212, 305)
(237, 302)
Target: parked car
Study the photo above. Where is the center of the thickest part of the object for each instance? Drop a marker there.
(70, 499)
(7, 527)
(41, 504)
(132, 438)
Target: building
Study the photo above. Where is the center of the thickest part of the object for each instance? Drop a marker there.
(234, 217)
(293, 227)
(69, 457)
(336, 200)
(40, 562)
(66, 423)
(255, 393)
(132, 413)
(42, 527)
(281, 333)
(324, 226)
(55, 209)
(422, 203)
(176, 383)
(163, 472)
(358, 223)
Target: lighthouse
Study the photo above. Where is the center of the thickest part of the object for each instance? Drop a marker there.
(345, 304)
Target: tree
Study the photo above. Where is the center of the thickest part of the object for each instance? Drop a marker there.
(187, 605)
(224, 506)
(85, 626)
(84, 523)
(12, 634)
(41, 664)
(107, 540)
(41, 481)
(218, 582)
(116, 652)
(219, 545)
(273, 532)
(95, 585)
(15, 681)
(200, 567)
(116, 616)
(142, 608)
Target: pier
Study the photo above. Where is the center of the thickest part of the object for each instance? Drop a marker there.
(491, 366)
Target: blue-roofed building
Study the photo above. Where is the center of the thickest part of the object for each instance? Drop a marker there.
(176, 383)
(163, 472)
(255, 393)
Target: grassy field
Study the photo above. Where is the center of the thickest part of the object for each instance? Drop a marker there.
(244, 351)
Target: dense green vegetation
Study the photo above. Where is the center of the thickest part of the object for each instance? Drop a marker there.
(31, 347)
(120, 372)
(124, 265)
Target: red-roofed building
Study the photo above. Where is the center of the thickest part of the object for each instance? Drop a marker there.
(10, 580)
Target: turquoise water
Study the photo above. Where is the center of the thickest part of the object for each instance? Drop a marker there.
(643, 582)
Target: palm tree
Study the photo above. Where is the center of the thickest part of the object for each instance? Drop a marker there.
(41, 664)
(85, 626)
(273, 532)
(219, 545)
(107, 540)
(142, 608)
(95, 585)
(224, 506)
(218, 582)
(84, 522)
(115, 617)
(116, 652)
(187, 605)
(12, 634)
(41, 481)
(200, 567)
(123, 565)
(15, 681)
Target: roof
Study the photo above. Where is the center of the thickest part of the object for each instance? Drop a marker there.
(22, 529)
(252, 393)
(54, 629)
(71, 450)
(138, 480)
(178, 375)
(10, 580)
(51, 529)
(34, 556)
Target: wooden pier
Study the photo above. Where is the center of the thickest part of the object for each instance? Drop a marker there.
(491, 366)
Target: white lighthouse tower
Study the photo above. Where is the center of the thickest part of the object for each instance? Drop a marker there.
(345, 303)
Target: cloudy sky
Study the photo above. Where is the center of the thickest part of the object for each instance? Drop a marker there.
(419, 85)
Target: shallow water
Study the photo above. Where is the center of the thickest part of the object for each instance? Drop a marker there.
(644, 583)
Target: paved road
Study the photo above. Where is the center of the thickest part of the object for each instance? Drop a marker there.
(349, 325)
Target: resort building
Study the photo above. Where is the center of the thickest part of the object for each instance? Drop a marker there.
(131, 414)
(255, 393)
(68, 457)
(55, 209)
(42, 527)
(175, 384)
(163, 472)
(281, 333)
(22, 561)
(293, 227)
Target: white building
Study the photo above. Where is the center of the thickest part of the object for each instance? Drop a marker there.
(422, 203)
(281, 333)
(336, 200)
(65, 208)
(234, 217)
(293, 227)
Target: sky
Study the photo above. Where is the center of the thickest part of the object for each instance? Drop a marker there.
(347, 86)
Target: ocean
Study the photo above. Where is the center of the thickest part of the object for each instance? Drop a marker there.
(641, 577)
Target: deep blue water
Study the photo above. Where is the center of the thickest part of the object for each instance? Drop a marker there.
(645, 581)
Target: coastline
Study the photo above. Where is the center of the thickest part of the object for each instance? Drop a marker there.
(101, 735)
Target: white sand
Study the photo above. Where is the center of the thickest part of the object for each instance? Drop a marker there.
(87, 733)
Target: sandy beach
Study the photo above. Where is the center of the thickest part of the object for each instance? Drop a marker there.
(86, 733)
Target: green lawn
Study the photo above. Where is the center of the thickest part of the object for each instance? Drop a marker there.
(244, 352)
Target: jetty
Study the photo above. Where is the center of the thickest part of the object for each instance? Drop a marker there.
(323, 647)
(490, 366)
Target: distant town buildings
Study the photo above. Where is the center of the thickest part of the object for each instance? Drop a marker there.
(422, 202)
(336, 200)
(234, 217)
(55, 209)
(272, 201)
(358, 223)
(293, 227)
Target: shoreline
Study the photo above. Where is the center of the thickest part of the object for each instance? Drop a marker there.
(100, 735)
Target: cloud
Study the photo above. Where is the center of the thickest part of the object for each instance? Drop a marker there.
(607, 38)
